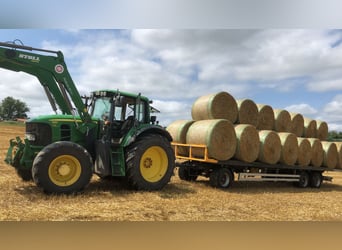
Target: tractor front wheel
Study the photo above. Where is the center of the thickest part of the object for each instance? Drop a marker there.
(62, 168)
(149, 162)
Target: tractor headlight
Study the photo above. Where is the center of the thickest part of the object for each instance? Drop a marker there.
(30, 137)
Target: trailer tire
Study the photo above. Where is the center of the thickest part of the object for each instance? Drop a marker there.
(62, 168)
(316, 179)
(221, 178)
(304, 180)
(184, 174)
(150, 162)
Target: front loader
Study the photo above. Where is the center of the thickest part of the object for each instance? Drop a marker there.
(110, 133)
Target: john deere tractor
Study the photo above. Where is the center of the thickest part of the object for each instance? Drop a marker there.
(109, 133)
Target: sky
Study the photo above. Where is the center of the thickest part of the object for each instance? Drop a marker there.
(294, 69)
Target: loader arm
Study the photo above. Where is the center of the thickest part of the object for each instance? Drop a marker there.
(50, 69)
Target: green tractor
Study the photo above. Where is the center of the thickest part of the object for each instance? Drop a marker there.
(109, 133)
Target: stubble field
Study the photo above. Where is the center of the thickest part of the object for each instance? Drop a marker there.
(178, 201)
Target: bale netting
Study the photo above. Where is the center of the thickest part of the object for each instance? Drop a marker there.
(304, 152)
(178, 130)
(218, 135)
(282, 120)
(297, 124)
(322, 130)
(339, 154)
(310, 130)
(270, 147)
(247, 112)
(247, 143)
(289, 148)
(215, 106)
(265, 118)
(317, 153)
(330, 154)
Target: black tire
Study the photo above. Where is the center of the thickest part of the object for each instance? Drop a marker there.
(221, 178)
(304, 180)
(184, 174)
(25, 174)
(150, 162)
(62, 168)
(316, 179)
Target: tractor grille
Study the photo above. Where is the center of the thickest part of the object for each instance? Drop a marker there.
(42, 133)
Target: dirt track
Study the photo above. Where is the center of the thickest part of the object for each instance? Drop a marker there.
(178, 201)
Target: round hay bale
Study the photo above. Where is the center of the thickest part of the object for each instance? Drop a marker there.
(282, 120)
(339, 154)
(310, 130)
(265, 118)
(178, 130)
(270, 147)
(247, 112)
(289, 148)
(218, 135)
(330, 154)
(322, 130)
(304, 152)
(297, 124)
(247, 143)
(317, 153)
(215, 106)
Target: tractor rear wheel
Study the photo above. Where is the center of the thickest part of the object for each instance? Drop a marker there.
(149, 162)
(62, 168)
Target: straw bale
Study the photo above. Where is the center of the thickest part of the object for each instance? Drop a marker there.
(215, 106)
(247, 143)
(304, 152)
(322, 130)
(289, 148)
(270, 147)
(178, 130)
(330, 154)
(317, 152)
(217, 134)
(297, 124)
(265, 118)
(310, 128)
(247, 112)
(282, 120)
(339, 154)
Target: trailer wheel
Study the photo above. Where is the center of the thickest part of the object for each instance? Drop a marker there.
(184, 174)
(316, 179)
(221, 178)
(62, 168)
(304, 180)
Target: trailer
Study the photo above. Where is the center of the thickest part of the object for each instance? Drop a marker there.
(221, 174)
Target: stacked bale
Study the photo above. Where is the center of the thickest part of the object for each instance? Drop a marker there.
(310, 128)
(289, 148)
(215, 106)
(270, 147)
(339, 154)
(282, 121)
(297, 124)
(247, 143)
(317, 152)
(247, 112)
(265, 118)
(322, 130)
(217, 134)
(330, 154)
(304, 152)
(178, 131)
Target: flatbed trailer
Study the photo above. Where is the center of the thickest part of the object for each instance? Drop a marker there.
(221, 173)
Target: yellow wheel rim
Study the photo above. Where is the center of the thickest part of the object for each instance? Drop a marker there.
(153, 164)
(64, 170)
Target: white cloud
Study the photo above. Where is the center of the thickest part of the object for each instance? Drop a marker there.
(302, 108)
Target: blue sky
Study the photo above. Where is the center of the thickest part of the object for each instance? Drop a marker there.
(294, 69)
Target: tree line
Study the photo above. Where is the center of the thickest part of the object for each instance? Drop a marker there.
(12, 109)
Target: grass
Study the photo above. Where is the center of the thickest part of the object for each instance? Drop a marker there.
(178, 201)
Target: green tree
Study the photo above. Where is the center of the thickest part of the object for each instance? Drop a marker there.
(11, 108)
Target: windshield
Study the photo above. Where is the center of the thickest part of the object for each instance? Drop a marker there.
(101, 108)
